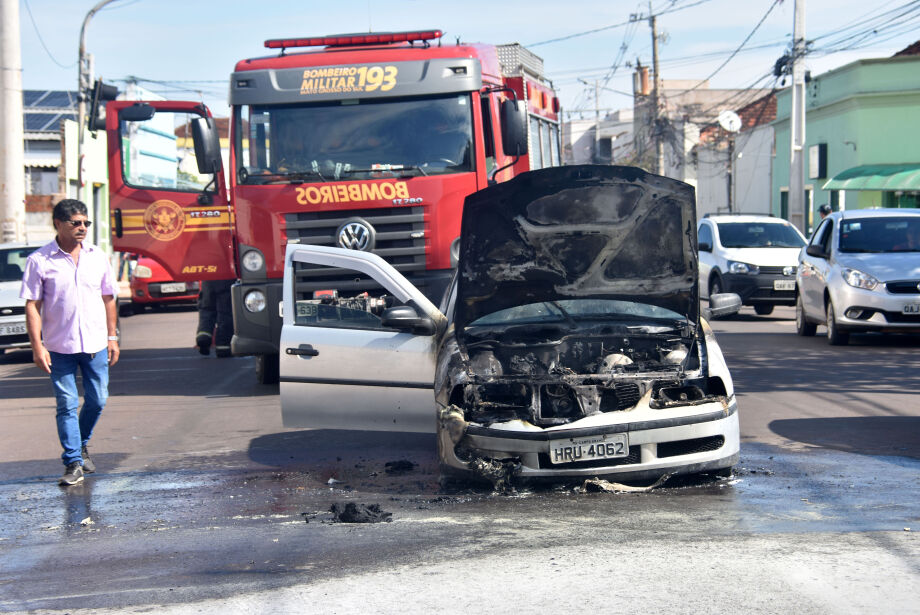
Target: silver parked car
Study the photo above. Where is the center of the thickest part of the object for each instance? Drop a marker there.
(12, 309)
(861, 272)
(569, 344)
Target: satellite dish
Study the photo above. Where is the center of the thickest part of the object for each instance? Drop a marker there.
(729, 121)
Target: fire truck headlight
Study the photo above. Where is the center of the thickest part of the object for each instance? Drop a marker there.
(254, 301)
(142, 271)
(455, 253)
(253, 261)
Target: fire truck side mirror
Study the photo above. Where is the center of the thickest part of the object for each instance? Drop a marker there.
(207, 144)
(514, 128)
(138, 112)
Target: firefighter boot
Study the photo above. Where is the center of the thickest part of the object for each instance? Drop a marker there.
(203, 341)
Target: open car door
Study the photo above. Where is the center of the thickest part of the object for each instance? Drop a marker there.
(364, 362)
(163, 203)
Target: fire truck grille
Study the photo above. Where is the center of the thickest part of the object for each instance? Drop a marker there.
(399, 240)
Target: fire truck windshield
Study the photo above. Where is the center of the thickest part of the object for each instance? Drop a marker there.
(357, 139)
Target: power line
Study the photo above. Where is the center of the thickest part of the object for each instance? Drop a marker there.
(735, 52)
(41, 40)
(632, 19)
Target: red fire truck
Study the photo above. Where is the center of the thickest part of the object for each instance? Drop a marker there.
(366, 141)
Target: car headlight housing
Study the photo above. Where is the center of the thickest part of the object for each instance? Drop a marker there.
(745, 268)
(254, 301)
(142, 271)
(253, 261)
(857, 278)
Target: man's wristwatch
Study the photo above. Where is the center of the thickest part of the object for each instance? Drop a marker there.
(113, 338)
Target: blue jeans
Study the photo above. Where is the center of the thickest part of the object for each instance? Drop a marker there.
(74, 431)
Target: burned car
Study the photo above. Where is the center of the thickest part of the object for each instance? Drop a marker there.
(569, 344)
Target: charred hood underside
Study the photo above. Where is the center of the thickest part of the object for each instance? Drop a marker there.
(602, 232)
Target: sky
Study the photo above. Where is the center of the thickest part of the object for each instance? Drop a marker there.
(185, 50)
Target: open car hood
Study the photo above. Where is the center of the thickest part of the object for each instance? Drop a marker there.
(600, 232)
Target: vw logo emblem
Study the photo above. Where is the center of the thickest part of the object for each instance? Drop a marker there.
(356, 234)
(789, 270)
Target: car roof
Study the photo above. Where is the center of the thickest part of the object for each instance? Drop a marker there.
(755, 218)
(889, 212)
(15, 245)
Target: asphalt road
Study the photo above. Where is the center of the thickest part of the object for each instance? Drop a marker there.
(203, 502)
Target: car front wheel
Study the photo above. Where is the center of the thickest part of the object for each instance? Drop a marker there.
(267, 368)
(835, 337)
(802, 326)
(763, 309)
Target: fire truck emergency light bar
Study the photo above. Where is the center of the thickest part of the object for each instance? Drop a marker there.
(376, 38)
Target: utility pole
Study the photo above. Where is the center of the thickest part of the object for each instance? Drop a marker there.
(12, 169)
(796, 196)
(84, 79)
(597, 124)
(658, 166)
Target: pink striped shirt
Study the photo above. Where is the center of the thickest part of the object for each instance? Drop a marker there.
(73, 314)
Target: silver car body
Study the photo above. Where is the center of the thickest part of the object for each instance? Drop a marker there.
(887, 297)
(383, 381)
(673, 414)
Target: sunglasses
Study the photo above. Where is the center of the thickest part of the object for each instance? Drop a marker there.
(76, 223)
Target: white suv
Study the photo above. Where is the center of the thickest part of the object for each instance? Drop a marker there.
(753, 256)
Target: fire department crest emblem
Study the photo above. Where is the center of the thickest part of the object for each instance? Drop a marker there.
(164, 220)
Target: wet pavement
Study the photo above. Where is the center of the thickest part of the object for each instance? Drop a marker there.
(816, 518)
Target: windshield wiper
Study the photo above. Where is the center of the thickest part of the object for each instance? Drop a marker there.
(292, 177)
(396, 172)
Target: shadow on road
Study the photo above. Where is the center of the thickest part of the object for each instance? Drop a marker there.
(149, 371)
(871, 364)
(865, 435)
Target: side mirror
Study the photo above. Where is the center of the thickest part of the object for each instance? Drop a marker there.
(705, 247)
(138, 112)
(514, 128)
(722, 306)
(816, 251)
(207, 145)
(405, 318)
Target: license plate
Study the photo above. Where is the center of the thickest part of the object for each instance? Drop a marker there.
(912, 308)
(172, 287)
(14, 329)
(783, 284)
(607, 446)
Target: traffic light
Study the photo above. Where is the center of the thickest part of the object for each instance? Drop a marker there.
(102, 93)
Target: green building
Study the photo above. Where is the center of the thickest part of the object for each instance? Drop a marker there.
(862, 134)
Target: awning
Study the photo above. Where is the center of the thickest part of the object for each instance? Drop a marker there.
(877, 177)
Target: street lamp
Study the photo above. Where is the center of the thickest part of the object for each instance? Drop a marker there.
(83, 80)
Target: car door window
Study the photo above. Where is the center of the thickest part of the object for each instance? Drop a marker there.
(705, 234)
(341, 309)
(817, 238)
(826, 237)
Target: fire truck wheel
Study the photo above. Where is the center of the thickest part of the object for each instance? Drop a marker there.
(267, 368)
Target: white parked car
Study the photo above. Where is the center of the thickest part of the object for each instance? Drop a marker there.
(12, 309)
(569, 344)
(861, 272)
(752, 256)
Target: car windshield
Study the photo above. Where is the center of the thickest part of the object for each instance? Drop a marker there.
(355, 139)
(759, 235)
(573, 311)
(887, 234)
(13, 263)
